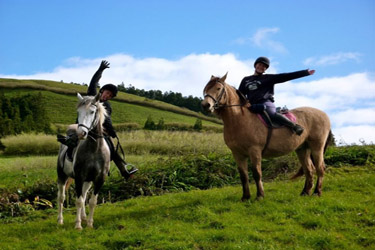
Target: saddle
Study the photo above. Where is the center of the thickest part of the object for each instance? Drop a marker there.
(269, 123)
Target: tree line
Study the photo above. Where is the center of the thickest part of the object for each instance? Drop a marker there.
(23, 114)
(175, 98)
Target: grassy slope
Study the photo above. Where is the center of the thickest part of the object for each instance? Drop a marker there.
(343, 218)
(127, 108)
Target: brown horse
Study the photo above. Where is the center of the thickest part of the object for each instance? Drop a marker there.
(246, 136)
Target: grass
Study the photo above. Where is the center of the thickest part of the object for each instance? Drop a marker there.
(343, 218)
(172, 143)
(138, 142)
(21, 173)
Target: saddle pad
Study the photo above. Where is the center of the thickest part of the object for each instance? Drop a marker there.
(289, 115)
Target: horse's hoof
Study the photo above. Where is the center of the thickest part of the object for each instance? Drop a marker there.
(245, 199)
(78, 227)
(304, 193)
(317, 194)
(260, 198)
(60, 222)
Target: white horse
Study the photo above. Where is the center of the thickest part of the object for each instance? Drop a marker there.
(91, 159)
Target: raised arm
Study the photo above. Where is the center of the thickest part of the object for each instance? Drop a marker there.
(96, 77)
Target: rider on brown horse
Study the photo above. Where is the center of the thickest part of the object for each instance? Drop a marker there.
(259, 90)
(108, 92)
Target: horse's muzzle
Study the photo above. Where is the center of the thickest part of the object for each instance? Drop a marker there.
(82, 133)
(206, 106)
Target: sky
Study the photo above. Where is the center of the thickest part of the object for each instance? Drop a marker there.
(176, 46)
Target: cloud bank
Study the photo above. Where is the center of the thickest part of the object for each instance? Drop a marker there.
(348, 100)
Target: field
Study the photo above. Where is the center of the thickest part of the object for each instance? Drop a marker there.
(190, 199)
(187, 192)
(343, 218)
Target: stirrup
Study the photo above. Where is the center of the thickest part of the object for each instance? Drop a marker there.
(129, 172)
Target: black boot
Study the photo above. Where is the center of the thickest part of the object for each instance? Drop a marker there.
(126, 170)
(71, 142)
(285, 121)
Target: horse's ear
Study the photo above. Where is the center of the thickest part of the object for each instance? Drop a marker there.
(212, 77)
(223, 78)
(97, 97)
(79, 97)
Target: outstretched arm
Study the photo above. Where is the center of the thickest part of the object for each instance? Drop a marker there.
(96, 77)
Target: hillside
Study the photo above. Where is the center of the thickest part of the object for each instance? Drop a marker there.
(61, 100)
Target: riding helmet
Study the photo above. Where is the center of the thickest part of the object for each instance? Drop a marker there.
(263, 60)
(111, 88)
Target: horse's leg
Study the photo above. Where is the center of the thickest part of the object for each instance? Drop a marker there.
(256, 167)
(60, 201)
(318, 158)
(304, 155)
(86, 187)
(243, 170)
(79, 203)
(93, 201)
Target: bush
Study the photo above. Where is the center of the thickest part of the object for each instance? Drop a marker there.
(351, 155)
(120, 127)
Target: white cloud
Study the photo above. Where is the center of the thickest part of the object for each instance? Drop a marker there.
(261, 39)
(354, 135)
(332, 59)
(349, 100)
(333, 94)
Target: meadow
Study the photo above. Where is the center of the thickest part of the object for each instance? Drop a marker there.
(343, 218)
(186, 194)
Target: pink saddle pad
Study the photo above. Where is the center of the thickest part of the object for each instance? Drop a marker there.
(289, 115)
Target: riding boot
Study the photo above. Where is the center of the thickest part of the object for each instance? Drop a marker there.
(71, 141)
(123, 166)
(285, 121)
(120, 163)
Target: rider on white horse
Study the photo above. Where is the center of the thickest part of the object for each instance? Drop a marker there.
(108, 92)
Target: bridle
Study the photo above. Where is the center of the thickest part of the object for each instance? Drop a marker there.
(90, 133)
(217, 104)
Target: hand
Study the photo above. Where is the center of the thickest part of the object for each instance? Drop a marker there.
(104, 65)
(311, 72)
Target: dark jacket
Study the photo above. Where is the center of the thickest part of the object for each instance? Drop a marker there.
(260, 89)
(92, 90)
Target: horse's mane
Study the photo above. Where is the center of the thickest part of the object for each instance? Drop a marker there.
(101, 111)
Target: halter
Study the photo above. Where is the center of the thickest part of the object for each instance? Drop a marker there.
(94, 122)
(217, 104)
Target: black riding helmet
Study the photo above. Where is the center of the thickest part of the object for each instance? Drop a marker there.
(263, 60)
(111, 88)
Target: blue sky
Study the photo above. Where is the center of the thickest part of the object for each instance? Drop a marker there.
(178, 45)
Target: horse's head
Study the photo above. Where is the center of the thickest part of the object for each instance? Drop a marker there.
(214, 94)
(90, 113)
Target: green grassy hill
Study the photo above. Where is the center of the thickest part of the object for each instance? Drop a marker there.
(61, 101)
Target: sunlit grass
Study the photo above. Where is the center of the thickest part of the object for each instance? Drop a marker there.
(173, 143)
(343, 218)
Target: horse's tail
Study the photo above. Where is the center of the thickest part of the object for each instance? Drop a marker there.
(329, 141)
